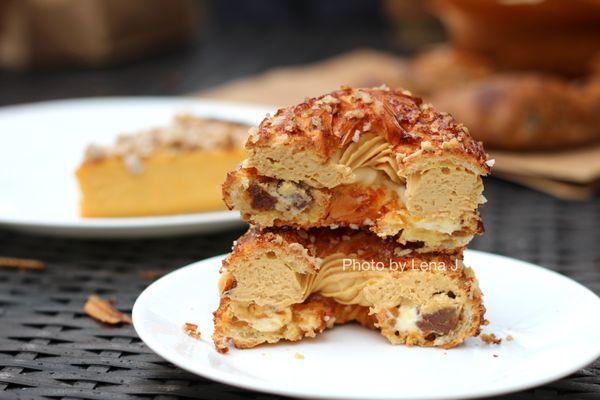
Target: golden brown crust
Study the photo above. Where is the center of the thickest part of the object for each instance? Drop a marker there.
(323, 313)
(326, 123)
(323, 242)
(307, 319)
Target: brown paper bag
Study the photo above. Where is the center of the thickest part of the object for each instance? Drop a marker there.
(290, 85)
(570, 174)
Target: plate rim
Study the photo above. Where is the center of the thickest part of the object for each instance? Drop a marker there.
(221, 377)
(129, 222)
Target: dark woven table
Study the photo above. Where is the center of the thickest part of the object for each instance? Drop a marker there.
(49, 348)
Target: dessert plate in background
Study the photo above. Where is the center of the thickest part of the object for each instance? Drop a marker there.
(552, 320)
(42, 144)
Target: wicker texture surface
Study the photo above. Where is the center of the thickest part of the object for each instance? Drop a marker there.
(50, 349)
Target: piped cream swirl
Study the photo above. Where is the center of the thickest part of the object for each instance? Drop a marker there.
(372, 151)
(340, 282)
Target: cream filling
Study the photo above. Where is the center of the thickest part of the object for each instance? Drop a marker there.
(291, 198)
(263, 319)
(374, 152)
(368, 176)
(407, 319)
(339, 278)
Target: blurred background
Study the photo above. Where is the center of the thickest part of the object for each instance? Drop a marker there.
(523, 75)
(52, 49)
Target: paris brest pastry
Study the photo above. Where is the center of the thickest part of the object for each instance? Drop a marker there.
(360, 204)
(285, 284)
(376, 159)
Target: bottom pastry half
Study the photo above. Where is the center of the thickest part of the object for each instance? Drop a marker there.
(284, 284)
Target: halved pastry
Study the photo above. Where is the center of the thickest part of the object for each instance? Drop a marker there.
(283, 284)
(171, 170)
(375, 158)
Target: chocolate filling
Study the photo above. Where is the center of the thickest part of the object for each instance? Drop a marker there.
(260, 199)
(441, 321)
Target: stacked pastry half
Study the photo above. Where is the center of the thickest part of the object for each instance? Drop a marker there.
(360, 203)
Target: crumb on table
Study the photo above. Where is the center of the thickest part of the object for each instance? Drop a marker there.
(299, 356)
(150, 275)
(103, 311)
(22, 263)
(509, 338)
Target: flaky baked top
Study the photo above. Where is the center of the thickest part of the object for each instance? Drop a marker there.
(333, 121)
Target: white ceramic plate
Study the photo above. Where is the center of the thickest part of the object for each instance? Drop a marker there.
(553, 320)
(42, 144)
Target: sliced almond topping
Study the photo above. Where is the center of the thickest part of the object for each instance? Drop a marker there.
(21, 263)
(101, 310)
(191, 330)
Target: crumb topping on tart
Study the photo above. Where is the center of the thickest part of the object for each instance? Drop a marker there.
(186, 132)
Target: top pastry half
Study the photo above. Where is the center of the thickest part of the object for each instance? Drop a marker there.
(364, 158)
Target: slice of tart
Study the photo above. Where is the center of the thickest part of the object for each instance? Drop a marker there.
(376, 159)
(284, 284)
(171, 170)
